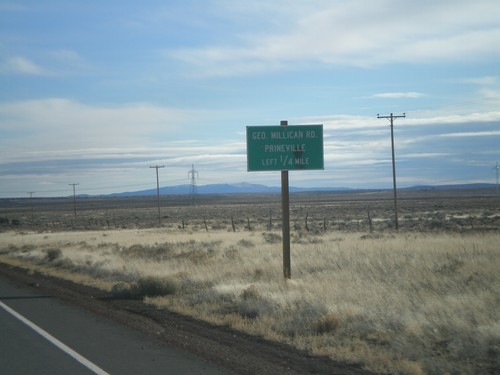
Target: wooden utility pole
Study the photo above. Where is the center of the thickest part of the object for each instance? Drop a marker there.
(158, 189)
(497, 167)
(31, 203)
(391, 118)
(285, 213)
(74, 199)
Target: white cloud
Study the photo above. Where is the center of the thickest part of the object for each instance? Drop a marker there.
(473, 134)
(482, 81)
(358, 33)
(398, 95)
(426, 155)
(68, 62)
(61, 125)
(21, 65)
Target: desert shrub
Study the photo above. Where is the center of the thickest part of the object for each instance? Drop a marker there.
(326, 324)
(210, 296)
(372, 236)
(258, 273)
(121, 290)
(195, 256)
(9, 249)
(252, 305)
(149, 286)
(218, 226)
(231, 252)
(53, 254)
(301, 319)
(271, 237)
(254, 308)
(162, 251)
(65, 263)
(152, 286)
(316, 239)
(250, 293)
(27, 248)
(135, 250)
(246, 243)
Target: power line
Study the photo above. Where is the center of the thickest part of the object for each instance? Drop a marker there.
(391, 118)
(158, 188)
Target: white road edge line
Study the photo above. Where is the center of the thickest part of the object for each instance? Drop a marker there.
(84, 361)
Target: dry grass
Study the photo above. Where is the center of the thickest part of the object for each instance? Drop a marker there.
(397, 303)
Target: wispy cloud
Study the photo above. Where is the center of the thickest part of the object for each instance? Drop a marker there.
(483, 81)
(473, 134)
(22, 65)
(398, 95)
(349, 34)
(65, 125)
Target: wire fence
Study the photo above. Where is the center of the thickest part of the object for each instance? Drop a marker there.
(312, 213)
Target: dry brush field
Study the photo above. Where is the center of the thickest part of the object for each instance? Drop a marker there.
(425, 299)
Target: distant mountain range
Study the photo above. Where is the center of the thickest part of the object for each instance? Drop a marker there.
(447, 187)
(239, 188)
(246, 188)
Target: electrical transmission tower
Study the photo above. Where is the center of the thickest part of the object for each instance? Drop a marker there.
(391, 118)
(194, 188)
(158, 189)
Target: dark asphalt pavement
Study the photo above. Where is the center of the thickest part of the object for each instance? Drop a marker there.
(107, 345)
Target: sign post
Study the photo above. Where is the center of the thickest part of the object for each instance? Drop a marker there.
(285, 225)
(284, 148)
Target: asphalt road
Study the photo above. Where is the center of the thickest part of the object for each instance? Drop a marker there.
(42, 335)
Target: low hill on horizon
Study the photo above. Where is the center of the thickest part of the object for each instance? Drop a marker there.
(248, 188)
(238, 188)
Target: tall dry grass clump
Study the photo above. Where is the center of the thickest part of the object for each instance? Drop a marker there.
(407, 303)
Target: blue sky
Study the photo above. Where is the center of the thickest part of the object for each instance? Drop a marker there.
(95, 92)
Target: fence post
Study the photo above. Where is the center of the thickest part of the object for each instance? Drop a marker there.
(370, 221)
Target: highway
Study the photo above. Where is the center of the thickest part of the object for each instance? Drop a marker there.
(43, 335)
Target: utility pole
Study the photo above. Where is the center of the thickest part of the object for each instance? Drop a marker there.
(194, 188)
(158, 189)
(497, 167)
(31, 201)
(391, 118)
(74, 199)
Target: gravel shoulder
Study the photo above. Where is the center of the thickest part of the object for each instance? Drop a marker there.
(231, 349)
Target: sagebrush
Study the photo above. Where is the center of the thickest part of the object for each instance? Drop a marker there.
(396, 302)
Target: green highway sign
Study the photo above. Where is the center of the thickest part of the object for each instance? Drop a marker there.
(285, 148)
